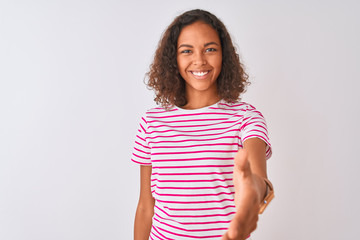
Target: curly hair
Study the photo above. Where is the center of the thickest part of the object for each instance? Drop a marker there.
(164, 77)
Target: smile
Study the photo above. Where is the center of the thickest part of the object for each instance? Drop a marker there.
(199, 74)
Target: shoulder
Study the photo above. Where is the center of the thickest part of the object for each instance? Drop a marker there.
(236, 106)
(159, 112)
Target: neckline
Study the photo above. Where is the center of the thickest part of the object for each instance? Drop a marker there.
(198, 109)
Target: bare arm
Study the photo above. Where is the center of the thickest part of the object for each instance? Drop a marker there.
(250, 188)
(145, 208)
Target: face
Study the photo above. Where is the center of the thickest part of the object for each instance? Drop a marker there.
(199, 57)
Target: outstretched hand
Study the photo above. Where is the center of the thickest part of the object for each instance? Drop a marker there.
(247, 198)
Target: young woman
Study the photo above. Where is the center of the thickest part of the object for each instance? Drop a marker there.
(191, 186)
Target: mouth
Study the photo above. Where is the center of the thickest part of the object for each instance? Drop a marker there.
(199, 73)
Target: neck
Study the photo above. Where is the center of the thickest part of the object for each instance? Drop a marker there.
(198, 100)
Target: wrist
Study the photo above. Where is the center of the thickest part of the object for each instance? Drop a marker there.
(261, 188)
(269, 195)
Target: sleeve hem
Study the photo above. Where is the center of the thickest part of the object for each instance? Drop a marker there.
(268, 145)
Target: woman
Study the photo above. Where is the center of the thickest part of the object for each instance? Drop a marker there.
(191, 187)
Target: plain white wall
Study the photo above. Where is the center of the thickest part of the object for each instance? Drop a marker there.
(72, 92)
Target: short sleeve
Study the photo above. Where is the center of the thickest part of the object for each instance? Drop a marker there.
(254, 126)
(141, 151)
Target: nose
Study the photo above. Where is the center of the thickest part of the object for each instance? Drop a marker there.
(199, 59)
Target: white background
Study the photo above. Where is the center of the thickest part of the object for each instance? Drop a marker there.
(72, 92)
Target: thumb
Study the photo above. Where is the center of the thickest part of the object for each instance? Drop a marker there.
(242, 164)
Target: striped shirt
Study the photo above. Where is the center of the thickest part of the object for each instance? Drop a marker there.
(191, 153)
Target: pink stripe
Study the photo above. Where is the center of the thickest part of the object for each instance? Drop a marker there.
(142, 145)
(190, 181)
(161, 234)
(183, 235)
(191, 152)
(143, 128)
(141, 157)
(191, 126)
(198, 145)
(195, 202)
(192, 188)
(199, 209)
(189, 120)
(197, 130)
(192, 114)
(199, 173)
(255, 135)
(192, 230)
(191, 159)
(261, 126)
(141, 138)
(250, 123)
(141, 151)
(255, 130)
(190, 135)
(195, 140)
(194, 223)
(144, 120)
(194, 216)
(195, 166)
(140, 162)
(192, 195)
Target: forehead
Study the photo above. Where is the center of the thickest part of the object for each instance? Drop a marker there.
(198, 33)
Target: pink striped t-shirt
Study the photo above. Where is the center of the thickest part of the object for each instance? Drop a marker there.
(191, 153)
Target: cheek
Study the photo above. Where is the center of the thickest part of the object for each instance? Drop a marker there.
(180, 64)
(218, 64)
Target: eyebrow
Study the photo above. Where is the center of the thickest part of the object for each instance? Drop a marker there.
(190, 46)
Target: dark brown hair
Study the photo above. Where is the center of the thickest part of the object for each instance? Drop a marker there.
(164, 77)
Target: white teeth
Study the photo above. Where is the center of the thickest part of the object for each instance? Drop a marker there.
(200, 73)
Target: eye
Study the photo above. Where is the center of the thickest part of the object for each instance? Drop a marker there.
(210, 50)
(186, 51)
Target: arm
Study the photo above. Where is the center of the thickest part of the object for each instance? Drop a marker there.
(250, 188)
(256, 152)
(145, 208)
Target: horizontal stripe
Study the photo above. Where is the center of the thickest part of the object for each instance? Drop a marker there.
(188, 120)
(192, 158)
(192, 130)
(193, 195)
(200, 209)
(137, 156)
(192, 152)
(137, 143)
(140, 162)
(192, 215)
(192, 181)
(192, 188)
(138, 150)
(197, 173)
(195, 166)
(195, 140)
(197, 145)
(192, 126)
(196, 202)
(193, 135)
(198, 223)
(192, 230)
(191, 115)
(163, 237)
(183, 235)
